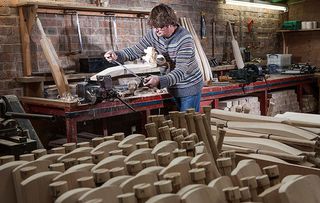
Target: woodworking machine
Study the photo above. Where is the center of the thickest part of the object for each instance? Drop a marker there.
(96, 91)
(250, 73)
(17, 135)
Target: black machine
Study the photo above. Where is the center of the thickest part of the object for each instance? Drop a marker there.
(250, 73)
(299, 69)
(96, 91)
(17, 135)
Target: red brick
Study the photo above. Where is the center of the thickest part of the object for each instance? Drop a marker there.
(8, 21)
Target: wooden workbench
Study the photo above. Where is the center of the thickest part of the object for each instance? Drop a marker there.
(72, 113)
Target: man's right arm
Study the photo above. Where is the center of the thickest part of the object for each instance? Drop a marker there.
(131, 53)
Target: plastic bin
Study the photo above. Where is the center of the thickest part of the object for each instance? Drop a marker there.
(280, 60)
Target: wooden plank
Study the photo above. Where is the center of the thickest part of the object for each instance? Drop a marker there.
(262, 144)
(48, 102)
(284, 168)
(25, 40)
(106, 193)
(35, 78)
(234, 116)
(204, 195)
(52, 58)
(245, 168)
(286, 140)
(181, 165)
(312, 119)
(164, 198)
(301, 189)
(204, 60)
(71, 178)
(35, 189)
(276, 154)
(223, 67)
(110, 162)
(141, 68)
(83, 7)
(41, 165)
(278, 129)
(197, 54)
(7, 189)
(72, 196)
(127, 186)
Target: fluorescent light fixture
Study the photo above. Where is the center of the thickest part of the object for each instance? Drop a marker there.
(256, 5)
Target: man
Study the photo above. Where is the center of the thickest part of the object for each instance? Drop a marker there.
(184, 81)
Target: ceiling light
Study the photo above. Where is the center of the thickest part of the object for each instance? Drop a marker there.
(256, 5)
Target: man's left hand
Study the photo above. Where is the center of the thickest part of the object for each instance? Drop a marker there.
(152, 81)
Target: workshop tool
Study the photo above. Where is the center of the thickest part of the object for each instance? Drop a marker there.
(114, 26)
(236, 50)
(96, 91)
(213, 40)
(299, 69)
(78, 32)
(133, 73)
(249, 25)
(17, 135)
(250, 73)
(203, 33)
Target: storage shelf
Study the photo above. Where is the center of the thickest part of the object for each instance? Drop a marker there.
(58, 6)
(309, 30)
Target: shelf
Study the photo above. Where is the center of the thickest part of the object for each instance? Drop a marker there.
(106, 10)
(310, 30)
(33, 79)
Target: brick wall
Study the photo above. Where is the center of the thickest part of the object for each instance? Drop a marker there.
(10, 53)
(61, 29)
(305, 46)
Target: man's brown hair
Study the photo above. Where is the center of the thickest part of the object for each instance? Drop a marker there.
(162, 15)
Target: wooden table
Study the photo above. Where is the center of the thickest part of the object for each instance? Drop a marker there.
(72, 113)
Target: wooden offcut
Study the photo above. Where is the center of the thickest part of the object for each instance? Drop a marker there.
(53, 60)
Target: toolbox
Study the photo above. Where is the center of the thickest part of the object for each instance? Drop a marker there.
(291, 25)
(94, 64)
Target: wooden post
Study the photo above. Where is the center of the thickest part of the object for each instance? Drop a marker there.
(190, 123)
(143, 192)
(273, 174)
(198, 175)
(25, 42)
(163, 186)
(151, 129)
(263, 183)
(174, 116)
(6, 159)
(127, 198)
(232, 194)
(101, 176)
(252, 184)
(211, 141)
(58, 188)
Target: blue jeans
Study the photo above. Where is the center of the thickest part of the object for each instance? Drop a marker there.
(184, 103)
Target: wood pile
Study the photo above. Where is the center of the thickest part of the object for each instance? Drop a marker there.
(250, 105)
(289, 138)
(309, 104)
(176, 161)
(200, 54)
(283, 101)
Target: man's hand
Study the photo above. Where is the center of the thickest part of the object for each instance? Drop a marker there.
(110, 56)
(152, 81)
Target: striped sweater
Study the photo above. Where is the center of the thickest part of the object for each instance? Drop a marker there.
(184, 78)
